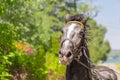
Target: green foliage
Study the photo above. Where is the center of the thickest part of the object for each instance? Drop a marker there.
(32, 65)
(4, 66)
(97, 46)
(38, 23)
(54, 69)
(16, 26)
(7, 34)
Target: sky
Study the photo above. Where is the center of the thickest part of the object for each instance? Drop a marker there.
(109, 16)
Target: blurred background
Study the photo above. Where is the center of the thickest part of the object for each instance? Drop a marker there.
(30, 36)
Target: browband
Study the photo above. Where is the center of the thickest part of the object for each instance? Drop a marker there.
(78, 22)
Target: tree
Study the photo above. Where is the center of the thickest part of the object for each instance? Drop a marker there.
(18, 24)
(37, 24)
(97, 46)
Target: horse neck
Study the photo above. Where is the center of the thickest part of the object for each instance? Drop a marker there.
(76, 71)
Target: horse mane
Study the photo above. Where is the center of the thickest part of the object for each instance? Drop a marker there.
(78, 17)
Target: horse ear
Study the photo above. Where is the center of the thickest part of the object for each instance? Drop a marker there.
(85, 17)
(68, 16)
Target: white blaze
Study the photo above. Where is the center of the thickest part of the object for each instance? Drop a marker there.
(70, 29)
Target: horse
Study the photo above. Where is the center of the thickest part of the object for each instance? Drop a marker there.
(74, 53)
(73, 46)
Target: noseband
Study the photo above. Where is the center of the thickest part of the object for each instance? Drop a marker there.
(73, 45)
(76, 49)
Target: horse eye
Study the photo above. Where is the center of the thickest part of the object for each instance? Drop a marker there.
(69, 54)
(81, 32)
(59, 52)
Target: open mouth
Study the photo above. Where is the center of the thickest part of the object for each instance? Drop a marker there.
(65, 61)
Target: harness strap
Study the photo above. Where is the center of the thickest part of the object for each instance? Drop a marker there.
(68, 40)
(82, 64)
(93, 71)
(88, 59)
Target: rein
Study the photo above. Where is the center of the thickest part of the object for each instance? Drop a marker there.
(94, 71)
(82, 64)
(77, 59)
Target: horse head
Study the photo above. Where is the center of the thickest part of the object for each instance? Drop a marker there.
(73, 34)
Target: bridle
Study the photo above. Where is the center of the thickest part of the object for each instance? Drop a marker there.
(75, 49)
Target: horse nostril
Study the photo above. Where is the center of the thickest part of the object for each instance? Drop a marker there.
(69, 54)
(60, 54)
